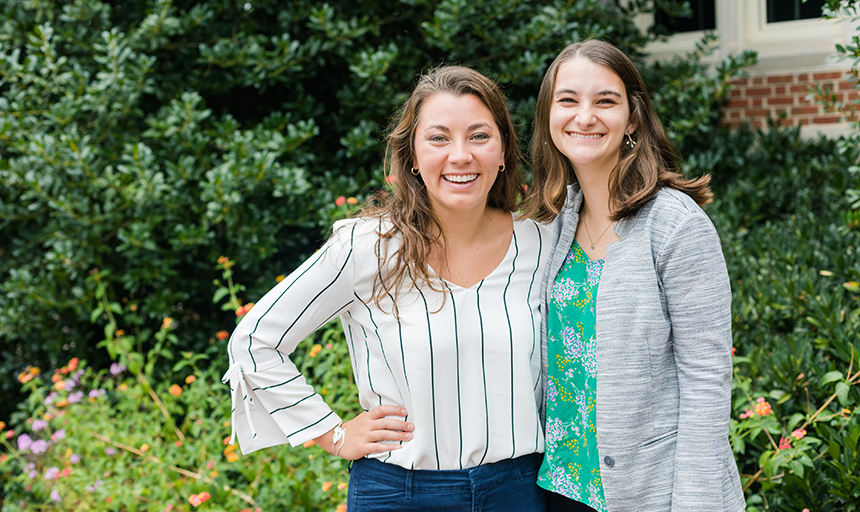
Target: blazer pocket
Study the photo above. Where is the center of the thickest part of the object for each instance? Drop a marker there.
(672, 434)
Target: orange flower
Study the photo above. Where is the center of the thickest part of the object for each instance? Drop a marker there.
(167, 323)
(309, 443)
(341, 486)
(73, 364)
(341, 508)
(62, 403)
(339, 201)
(3, 458)
(122, 387)
(225, 262)
(326, 486)
(352, 201)
(222, 335)
(315, 350)
(144, 447)
(391, 178)
(232, 457)
(66, 472)
(120, 333)
(175, 390)
(2, 425)
(177, 444)
(56, 377)
(227, 440)
(190, 379)
(280, 278)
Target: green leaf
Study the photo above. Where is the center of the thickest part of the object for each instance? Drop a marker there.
(831, 377)
(219, 294)
(95, 314)
(796, 467)
(842, 392)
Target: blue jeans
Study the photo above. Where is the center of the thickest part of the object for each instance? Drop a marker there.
(505, 485)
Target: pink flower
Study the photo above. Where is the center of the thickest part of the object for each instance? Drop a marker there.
(734, 351)
(798, 434)
(55, 496)
(24, 441)
(39, 425)
(784, 444)
(339, 201)
(747, 414)
(51, 473)
(60, 434)
(39, 446)
(762, 408)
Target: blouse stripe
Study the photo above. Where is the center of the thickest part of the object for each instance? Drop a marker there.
(296, 280)
(381, 347)
(457, 353)
(432, 376)
(276, 385)
(511, 338)
(292, 405)
(483, 370)
(322, 291)
(312, 424)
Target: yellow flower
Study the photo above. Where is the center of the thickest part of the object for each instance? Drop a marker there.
(175, 390)
(232, 457)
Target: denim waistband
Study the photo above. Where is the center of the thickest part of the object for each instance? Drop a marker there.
(475, 478)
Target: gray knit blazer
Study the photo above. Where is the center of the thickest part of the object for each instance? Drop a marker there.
(664, 367)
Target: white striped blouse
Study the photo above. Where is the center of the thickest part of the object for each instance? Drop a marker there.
(466, 369)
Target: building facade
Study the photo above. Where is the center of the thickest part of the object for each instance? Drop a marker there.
(796, 52)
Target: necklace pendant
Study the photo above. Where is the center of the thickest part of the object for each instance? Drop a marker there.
(592, 246)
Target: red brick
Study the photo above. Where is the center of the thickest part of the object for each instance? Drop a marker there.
(738, 81)
(779, 90)
(756, 102)
(735, 115)
(803, 77)
(804, 110)
(761, 91)
(846, 85)
(800, 88)
(851, 96)
(736, 93)
(826, 76)
(803, 122)
(738, 103)
(779, 79)
(826, 120)
(758, 113)
(782, 100)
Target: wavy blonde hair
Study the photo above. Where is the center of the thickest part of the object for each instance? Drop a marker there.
(641, 171)
(408, 209)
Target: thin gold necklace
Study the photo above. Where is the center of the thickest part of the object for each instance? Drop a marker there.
(598, 238)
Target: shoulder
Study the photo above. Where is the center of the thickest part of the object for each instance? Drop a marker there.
(524, 226)
(669, 211)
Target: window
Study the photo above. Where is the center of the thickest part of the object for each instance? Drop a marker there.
(791, 10)
(703, 18)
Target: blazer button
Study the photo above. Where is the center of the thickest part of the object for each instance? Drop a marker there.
(609, 461)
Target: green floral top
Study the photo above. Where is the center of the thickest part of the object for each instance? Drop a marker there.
(571, 464)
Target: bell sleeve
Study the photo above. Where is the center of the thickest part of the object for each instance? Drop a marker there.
(272, 402)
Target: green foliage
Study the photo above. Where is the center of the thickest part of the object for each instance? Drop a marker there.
(117, 440)
(794, 273)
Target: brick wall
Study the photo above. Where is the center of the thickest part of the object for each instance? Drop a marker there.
(757, 98)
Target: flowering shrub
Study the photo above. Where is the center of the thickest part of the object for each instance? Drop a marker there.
(117, 440)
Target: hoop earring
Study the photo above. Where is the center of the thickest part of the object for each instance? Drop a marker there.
(415, 171)
(630, 142)
(502, 168)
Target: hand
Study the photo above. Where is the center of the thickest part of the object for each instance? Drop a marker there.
(364, 433)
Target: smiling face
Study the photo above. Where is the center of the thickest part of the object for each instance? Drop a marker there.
(589, 115)
(458, 151)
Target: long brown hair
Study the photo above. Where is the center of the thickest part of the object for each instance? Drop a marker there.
(407, 209)
(641, 171)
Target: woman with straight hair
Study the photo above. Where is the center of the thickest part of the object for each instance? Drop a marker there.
(637, 331)
(437, 286)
